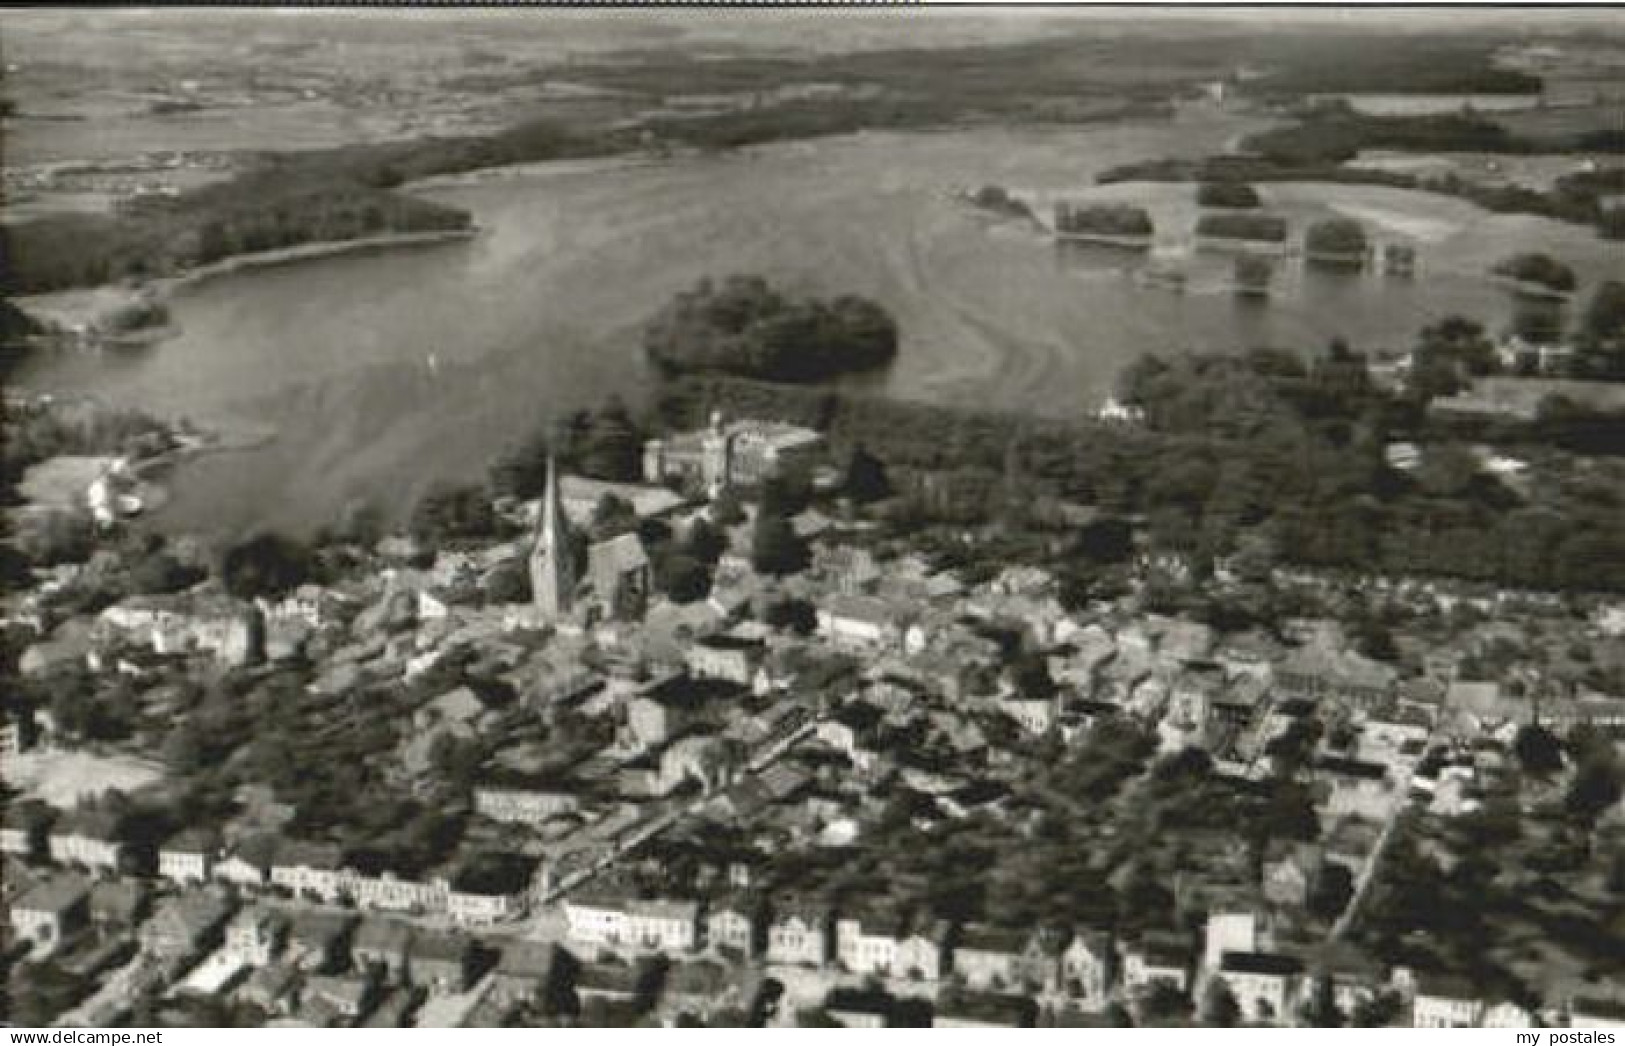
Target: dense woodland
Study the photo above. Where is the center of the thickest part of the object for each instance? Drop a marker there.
(1263, 450)
(257, 213)
(744, 327)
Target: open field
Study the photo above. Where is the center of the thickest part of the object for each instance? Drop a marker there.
(63, 778)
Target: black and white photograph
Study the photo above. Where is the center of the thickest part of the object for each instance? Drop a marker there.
(812, 517)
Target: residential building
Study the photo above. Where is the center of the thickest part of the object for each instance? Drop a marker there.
(51, 911)
(381, 945)
(440, 962)
(256, 935)
(118, 904)
(186, 924)
(989, 957)
(619, 578)
(610, 982)
(733, 927)
(91, 839)
(524, 973)
(187, 857)
(1157, 958)
(316, 940)
(1088, 967)
(23, 828)
(308, 868)
(1319, 673)
(1262, 983)
(889, 946)
(860, 623)
(1587, 1011)
(800, 933)
(249, 863)
(524, 804)
(734, 658)
(1445, 1001)
(663, 925)
(673, 705)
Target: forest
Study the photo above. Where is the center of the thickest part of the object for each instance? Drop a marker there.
(257, 213)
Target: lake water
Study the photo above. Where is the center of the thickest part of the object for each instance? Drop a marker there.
(382, 372)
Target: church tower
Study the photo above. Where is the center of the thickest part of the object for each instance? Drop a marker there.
(552, 568)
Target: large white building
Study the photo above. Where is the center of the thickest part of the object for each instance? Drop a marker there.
(736, 453)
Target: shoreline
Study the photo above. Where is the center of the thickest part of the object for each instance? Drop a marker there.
(73, 309)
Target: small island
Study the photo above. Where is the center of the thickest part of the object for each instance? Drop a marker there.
(1336, 241)
(745, 328)
(1536, 275)
(997, 200)
(1228, 195)
(1115, 224)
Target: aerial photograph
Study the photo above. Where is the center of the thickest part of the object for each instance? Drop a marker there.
(917, 517)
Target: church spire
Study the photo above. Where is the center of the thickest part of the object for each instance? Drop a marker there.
(552, 570)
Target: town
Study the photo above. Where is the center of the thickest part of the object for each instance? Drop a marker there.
(720, 747)
(1021, 518)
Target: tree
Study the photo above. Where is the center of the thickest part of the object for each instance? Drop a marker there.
(727, 510)
(776, 548)
(1029, 674)
(1106, 540)
(681, 577)
(611, 447)
(866, 479)
(1227, 194)
(793, 615)
(1335, 238)
(56, 536)
(508, 583)
(1331, 892)
(1319, 1009)
(450, 510)
(1161, 1001)
(611, 516)
(1219, 1007)
(1533, 267)
(1600, 336)
(1539, 751)
(268, 564)
(704, 542)
(1377, 1011)
(1597, 784)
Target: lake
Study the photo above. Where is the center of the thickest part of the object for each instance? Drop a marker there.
(382, 372)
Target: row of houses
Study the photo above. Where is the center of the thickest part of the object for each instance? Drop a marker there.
(811, 934)
(94, 840)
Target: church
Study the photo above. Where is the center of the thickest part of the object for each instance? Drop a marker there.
(617, 580)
